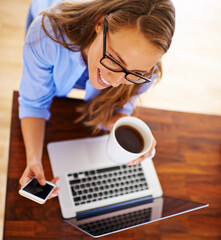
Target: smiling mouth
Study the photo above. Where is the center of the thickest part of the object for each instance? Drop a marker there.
(102, 81)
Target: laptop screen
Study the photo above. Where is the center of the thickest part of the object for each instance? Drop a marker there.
(159, 208)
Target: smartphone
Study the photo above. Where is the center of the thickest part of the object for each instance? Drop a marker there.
(34, 191)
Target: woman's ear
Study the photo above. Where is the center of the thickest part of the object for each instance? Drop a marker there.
(99, 25)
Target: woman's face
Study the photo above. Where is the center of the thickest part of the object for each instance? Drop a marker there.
(129, 47)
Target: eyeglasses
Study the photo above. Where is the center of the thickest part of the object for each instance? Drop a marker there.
(114, 66)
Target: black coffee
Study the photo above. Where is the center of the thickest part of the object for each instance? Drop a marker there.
(129, 138)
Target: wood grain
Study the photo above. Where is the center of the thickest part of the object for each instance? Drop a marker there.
(187, 162)
(191, 80)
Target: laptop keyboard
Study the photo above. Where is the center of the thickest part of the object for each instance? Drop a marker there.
(99, 184)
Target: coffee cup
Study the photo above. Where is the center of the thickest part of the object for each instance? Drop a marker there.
(129, 139)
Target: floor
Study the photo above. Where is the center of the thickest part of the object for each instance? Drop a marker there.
(191, 81)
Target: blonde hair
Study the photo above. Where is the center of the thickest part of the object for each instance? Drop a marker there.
(76, 21)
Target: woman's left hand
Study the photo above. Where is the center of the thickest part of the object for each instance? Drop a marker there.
(143, 157)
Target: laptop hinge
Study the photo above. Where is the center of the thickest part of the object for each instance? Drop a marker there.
(114, 207)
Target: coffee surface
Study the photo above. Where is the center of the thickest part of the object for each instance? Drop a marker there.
(129, 138)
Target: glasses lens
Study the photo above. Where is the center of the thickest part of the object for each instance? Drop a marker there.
(110, 64)
(135, 79)
(115, 67)
(132, 77)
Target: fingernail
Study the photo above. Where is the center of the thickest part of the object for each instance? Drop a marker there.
(57, 190)
(42, 181)
(54, 194)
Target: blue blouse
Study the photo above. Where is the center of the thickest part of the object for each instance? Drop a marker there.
(51, 70)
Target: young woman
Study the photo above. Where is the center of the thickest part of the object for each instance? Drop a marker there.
(110, 48)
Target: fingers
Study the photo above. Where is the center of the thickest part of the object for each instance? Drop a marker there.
(54, 180)
(54, 193)
(154, 143)
(35, 170)
(143, 157)
(56, 190)
(39, 173)
(137, 161)
(26, 177)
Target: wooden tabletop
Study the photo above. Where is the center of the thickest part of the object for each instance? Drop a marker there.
(187, 161)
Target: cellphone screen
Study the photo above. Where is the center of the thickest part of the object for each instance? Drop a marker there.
(36, 189)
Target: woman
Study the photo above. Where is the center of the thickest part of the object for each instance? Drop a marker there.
(110, 48)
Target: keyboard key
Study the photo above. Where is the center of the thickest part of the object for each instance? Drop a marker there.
(77, 199)
(72, 182)
(100, 184)
(73, 191)
(108, 169)
(81, 175)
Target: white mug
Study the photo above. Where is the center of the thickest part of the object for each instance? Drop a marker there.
(120, 155)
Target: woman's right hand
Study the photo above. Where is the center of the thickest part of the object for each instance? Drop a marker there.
(33, 134)
(33, 169)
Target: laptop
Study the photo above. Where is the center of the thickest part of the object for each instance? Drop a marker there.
(95, 191)
(89, 180)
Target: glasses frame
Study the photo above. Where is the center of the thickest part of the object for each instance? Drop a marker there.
(123, 69)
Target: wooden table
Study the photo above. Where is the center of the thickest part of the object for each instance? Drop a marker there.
(187, 162)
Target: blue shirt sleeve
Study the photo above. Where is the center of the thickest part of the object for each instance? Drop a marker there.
(37, 86)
